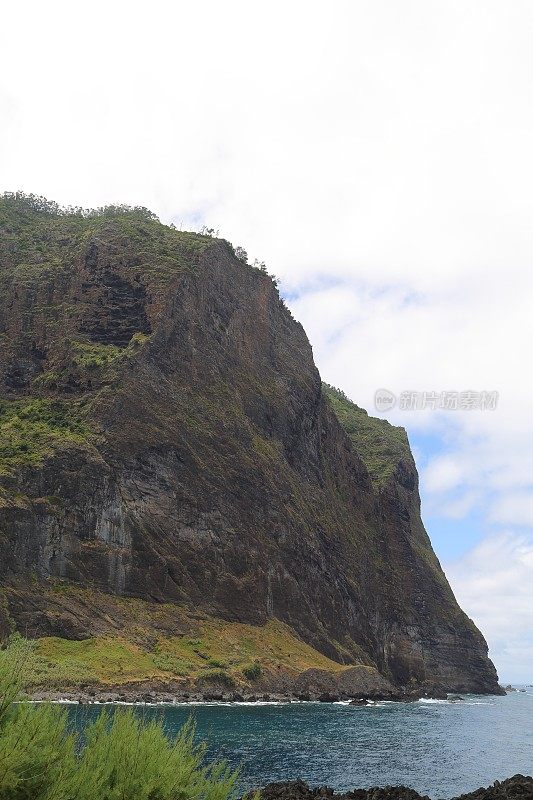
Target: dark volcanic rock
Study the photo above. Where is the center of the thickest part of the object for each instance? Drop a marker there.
(191, 455)
(516, 788)
(299, 790)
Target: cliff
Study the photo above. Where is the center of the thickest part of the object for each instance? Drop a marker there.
(170, 460)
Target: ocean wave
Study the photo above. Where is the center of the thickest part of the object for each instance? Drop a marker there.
(433, 700)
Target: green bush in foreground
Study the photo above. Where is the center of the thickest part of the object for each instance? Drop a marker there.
(122, 757)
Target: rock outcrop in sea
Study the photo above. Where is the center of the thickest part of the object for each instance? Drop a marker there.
(518, 787)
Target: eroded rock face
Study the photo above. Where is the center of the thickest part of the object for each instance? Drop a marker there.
(212, 469)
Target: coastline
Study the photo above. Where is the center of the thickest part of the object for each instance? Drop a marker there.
(125, 697)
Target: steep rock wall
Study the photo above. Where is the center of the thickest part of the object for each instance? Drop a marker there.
(190, 454)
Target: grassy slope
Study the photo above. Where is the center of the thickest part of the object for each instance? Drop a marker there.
(205, 650)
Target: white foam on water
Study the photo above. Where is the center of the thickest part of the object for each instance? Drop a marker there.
(235, 703)
(174, 704)
(63, 701)
(432, 700)
(475, 703)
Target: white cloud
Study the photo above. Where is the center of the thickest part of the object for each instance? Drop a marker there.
(443, 473)
(515, 508)
(376, 155)
(493, 584)
(460, 506)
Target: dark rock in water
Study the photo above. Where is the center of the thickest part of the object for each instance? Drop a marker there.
(386, 793)
(192, 457)
(299, 790)
(516, 788)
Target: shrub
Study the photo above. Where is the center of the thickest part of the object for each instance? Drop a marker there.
(91, 355)
(214, 662)
(170, 663)
(219, 676)
(138, 339)
(241, 254)
(252, 671)
(34, 204)
(122, 756)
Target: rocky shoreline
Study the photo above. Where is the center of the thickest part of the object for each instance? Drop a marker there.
(519, 787)
(88, 696)
(354, 685)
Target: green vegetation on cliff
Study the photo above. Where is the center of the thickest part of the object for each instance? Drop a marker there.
(40, 238)
(33, 428)
(92, 355)
(380, 445)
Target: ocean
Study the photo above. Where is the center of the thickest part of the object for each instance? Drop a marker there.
(437, 747)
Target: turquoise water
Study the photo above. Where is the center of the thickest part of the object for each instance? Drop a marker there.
(436, 747)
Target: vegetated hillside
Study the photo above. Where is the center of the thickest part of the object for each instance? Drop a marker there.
(165, 436)
(380, 445)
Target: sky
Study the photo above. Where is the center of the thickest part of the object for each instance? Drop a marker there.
(378, 157)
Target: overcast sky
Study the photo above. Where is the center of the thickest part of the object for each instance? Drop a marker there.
(378, 156)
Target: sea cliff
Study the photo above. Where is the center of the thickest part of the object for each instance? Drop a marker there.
(183, 503)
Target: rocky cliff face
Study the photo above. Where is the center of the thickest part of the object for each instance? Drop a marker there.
(164, 434)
